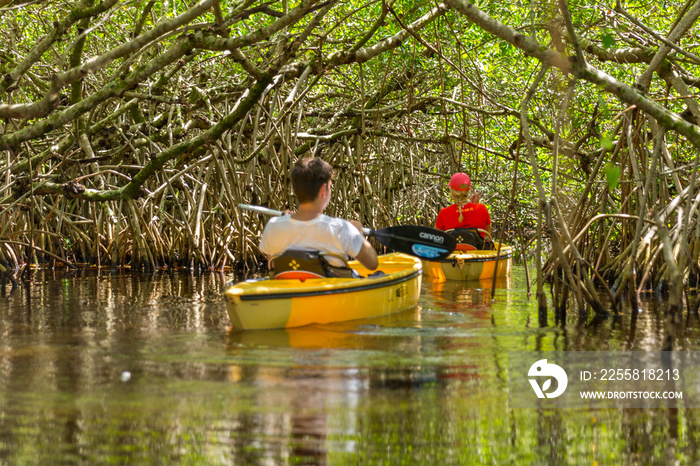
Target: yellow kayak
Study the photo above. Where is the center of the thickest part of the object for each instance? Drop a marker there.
(270, 304)
(471, 265)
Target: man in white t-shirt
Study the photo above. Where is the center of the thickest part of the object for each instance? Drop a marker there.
(309, 229)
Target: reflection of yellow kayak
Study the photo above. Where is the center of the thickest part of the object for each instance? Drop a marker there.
(471, 265)
(268, 304)
(345, 335)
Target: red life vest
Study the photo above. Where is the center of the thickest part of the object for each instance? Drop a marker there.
(473, 216)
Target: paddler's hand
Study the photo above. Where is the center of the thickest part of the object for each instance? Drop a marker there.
(287, 212)
(357, 225)
(476, 197)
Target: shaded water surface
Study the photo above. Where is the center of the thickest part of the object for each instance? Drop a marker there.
(101, 368)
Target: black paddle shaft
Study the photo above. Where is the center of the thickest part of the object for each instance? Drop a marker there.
(426, 243)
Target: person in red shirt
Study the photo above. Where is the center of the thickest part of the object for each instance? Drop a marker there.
(466, 212)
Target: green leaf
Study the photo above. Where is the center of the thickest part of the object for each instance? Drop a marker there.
(612, 175)
(603, 107)
(606, 143)
(608, 41)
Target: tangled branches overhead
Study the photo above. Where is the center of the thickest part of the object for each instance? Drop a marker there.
(97, 111)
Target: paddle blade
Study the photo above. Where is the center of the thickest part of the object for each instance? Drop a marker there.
(426, 243)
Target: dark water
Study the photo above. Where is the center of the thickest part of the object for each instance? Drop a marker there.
(99, 368)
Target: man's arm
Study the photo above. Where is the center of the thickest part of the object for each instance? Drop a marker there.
(367, 255)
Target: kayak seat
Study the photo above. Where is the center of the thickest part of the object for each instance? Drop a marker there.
(471, 239)
(302, 265)
(302, 275)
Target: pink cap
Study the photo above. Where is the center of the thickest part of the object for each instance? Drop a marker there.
(460, 182)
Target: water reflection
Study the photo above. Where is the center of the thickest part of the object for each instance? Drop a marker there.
(425, 386)
(472, 297)
(323, 381)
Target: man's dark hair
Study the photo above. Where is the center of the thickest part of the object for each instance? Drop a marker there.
(308, 175)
